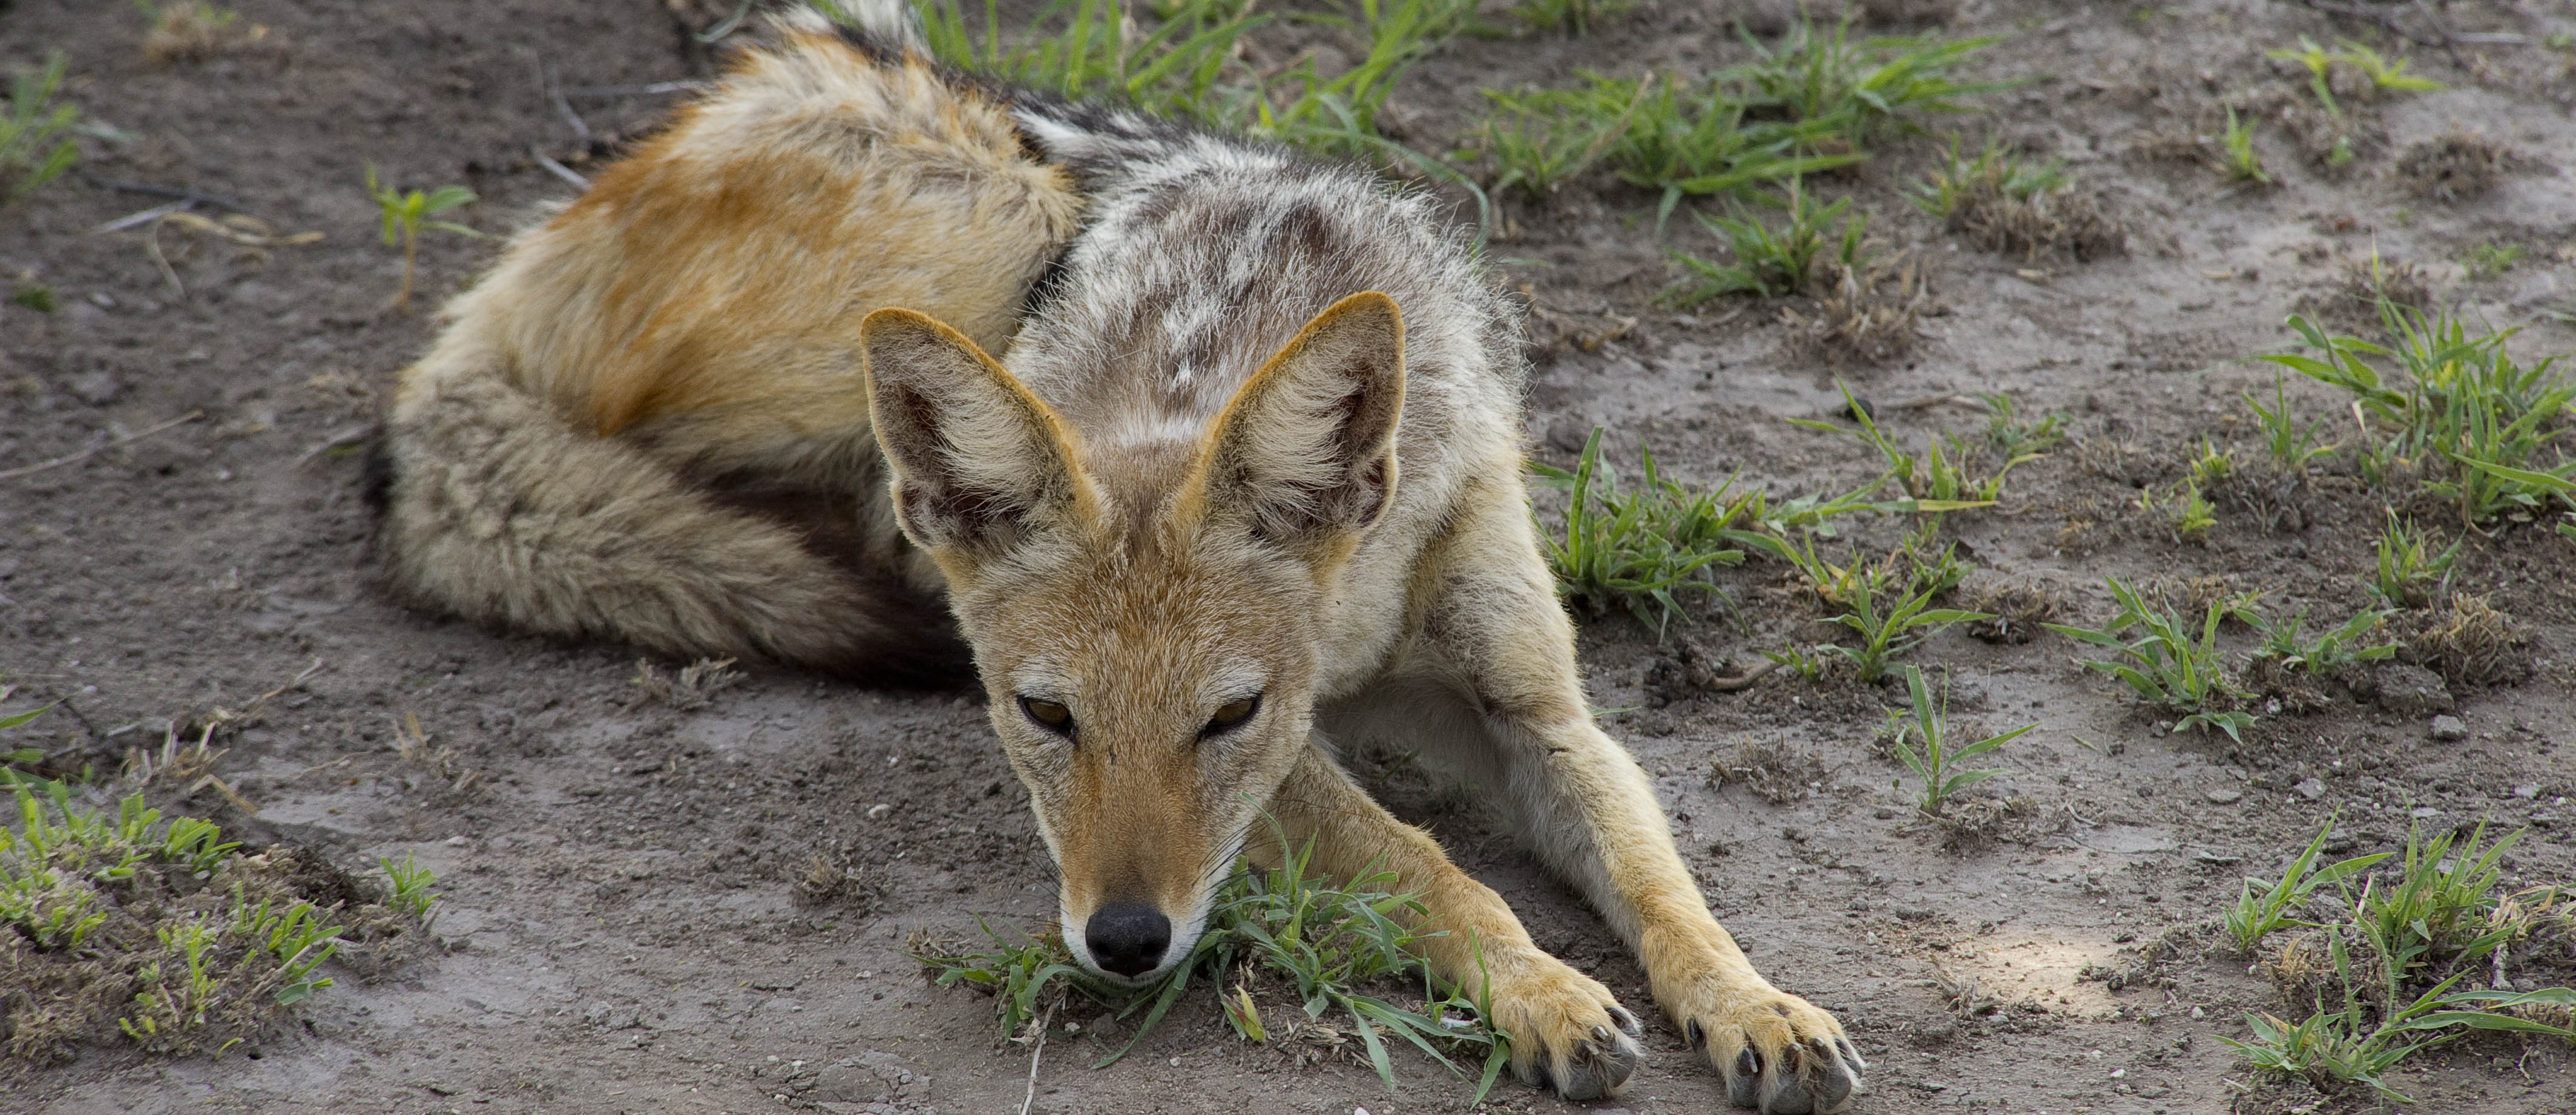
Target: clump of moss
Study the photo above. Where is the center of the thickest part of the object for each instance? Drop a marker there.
(194, 31)
(2018, 609)
(2471, 643)
(2456, 166)
(124, 926)
(1775, 771)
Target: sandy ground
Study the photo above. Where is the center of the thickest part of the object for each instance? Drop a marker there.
(621, 923)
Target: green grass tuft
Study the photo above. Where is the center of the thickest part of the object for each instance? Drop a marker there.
(2481, 431)
(1181, 60)
(1664, 133)
(1809, 103)
(2286, 645)
(1573, 17)
(1995, 171)
(2389, 984)
(2237, 156)
(1947, 475)
(1815, 73)
(405, 214)
(1920, 738)
(2410, 574)
(1642, 548)
(410, 893)
(1794, 259)
(33, 150)
(2490, 259)
(2289, 445)
(2165, 663)
(1328, 942)
(2264, 907)
(1908, 617)
(2383, 74)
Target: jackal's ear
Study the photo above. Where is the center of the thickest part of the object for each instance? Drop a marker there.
(975, 455)
(1307, 447)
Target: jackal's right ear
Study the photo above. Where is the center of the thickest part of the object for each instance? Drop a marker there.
(976, 457)
(1307, 447)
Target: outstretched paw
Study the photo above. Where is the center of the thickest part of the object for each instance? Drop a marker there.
(1780, 1054)
(1568, 1032)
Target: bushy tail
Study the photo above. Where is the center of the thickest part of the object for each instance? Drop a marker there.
(888, 26)
(499, 512)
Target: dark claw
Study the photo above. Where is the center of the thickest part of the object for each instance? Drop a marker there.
(1626, 1057)
(1698, 1036)
(1744, 1089)
(1539, 1077)
(1788, 1097)
(1598, 1068)
(1626, 1021)
(1836, 1084)
(1583, 1081)
(1851, 1056)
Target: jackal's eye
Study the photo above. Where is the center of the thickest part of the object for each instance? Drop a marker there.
(1048, 715)
(1230, 715)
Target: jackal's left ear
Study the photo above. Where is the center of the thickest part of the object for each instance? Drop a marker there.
(1307, 448)
(976, 457)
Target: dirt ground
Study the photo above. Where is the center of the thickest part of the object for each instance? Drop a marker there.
(625, 929)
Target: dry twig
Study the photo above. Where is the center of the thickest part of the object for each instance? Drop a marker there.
(85, 454)
(1036, 1051)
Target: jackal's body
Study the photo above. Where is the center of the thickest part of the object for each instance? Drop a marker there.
(1243, 486)
(575, 454)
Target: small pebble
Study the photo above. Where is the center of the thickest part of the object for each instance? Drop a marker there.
(877, 812)
(96, 388)
(2450, 728)
(2309, 788)
(2527, 791)
(2224, 795)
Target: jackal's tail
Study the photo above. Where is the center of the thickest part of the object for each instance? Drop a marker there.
(500, 512)
(647, 423)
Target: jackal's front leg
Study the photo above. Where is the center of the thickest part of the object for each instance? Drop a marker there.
(1566, 1028)
(1585, 807)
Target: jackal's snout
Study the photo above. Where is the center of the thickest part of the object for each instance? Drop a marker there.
(1127, 938)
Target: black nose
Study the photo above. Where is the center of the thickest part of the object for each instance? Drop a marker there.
(1127, 937)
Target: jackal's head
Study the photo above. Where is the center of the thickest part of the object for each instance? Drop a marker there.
(1146, 617)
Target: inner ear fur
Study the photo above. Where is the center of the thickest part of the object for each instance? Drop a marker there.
(975, 457)
(1306, 449)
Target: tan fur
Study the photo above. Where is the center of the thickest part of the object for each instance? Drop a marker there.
(1140, 508)
(643, 419)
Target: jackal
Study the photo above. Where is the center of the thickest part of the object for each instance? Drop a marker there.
(1211, 450)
